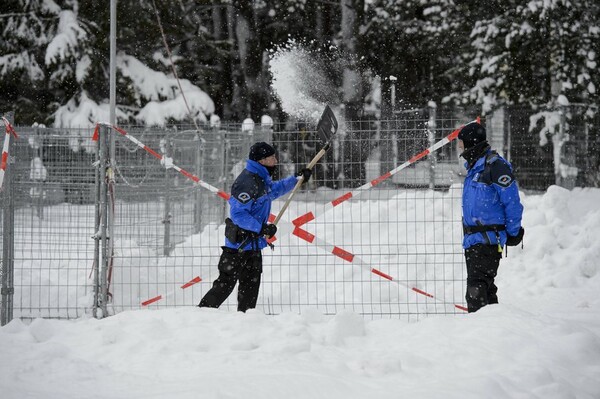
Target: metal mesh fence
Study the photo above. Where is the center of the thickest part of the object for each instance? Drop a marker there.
(53, 187)
(168, 229)
(394, 228)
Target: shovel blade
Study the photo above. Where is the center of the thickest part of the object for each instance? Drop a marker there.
(327, 125)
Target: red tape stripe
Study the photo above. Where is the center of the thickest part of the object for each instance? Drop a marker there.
(382, 274)
(152, 300)
(341, 199)
(461, 308)
(421, 292)
(189, 175)
(339, 252)
(303, 234)
(380, 179)
(418, 156)
(10, 129)
(118, 129)
(4, 160)
(96, 133)
(152, 152)
(193, 281)
(223, 195)
(299, 221)
(453, 135)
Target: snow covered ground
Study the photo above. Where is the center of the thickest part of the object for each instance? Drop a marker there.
(542, 341)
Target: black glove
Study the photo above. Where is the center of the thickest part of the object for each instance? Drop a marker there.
(306, 173)
(268, 230)
(513, 241)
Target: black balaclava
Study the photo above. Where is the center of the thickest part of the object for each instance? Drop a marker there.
(473, 136)
(471, 155)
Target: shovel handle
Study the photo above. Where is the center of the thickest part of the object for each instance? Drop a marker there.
(299, 183)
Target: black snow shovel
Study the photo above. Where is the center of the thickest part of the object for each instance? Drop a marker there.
(327, 127)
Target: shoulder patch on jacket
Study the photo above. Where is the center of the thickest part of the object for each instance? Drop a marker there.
(248, 186)
(244, 197)
(501, 173)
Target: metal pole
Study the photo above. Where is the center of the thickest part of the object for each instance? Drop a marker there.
(104, 237)
(559, 152)
(226, 140)
(113, 118)
(96, 236)
(431, 127)
(8, 243)
(113, 62)
(198, 193)
(167, 218)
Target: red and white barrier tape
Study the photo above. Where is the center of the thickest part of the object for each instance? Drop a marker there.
(356, 260)
(4, 163)
(297, 231)
(307, 217)
(157, 298)
(161, 158)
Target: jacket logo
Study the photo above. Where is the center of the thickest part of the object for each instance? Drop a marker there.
(504, 180)
(244, 197)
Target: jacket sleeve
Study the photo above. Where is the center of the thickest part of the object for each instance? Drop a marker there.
(505, 184)
(281, 187)
(241, 215)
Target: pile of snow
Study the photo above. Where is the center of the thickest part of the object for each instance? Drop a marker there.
(542, 340)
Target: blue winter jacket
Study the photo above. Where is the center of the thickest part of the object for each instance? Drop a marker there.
(491, 196)
(250, 203)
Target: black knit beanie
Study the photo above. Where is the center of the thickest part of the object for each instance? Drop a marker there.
(261, 150)
(471, 134)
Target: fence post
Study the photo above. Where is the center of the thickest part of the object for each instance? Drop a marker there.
(167, 214)
(564, 157)
(431, 127)
(198, 193)
(96, 236)
(8, 241)
(101, 257)
(226, 137)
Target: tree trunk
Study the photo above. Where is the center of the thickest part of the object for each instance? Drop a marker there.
(236, 104)
(354, 149)
(251, 59)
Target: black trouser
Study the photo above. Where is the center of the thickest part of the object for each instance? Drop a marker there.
(244, 266)
(482, 266)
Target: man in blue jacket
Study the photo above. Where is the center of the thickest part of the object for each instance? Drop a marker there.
(492, 213)
(247, 229)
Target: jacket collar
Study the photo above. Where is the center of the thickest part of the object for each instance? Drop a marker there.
(479, 164)
(256, 168)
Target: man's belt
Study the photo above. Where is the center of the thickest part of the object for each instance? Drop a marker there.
(483, 228)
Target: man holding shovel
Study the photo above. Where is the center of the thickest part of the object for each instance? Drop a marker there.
(247, 229)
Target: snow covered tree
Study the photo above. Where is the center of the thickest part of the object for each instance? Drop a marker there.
(530, 52)
(536, 53)
(37, 36)
(55, 65)
(147, 90)
(414, 43)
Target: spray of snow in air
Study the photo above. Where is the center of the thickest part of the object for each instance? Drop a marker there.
(300, 81)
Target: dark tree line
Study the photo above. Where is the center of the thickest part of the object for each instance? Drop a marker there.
(54, 54)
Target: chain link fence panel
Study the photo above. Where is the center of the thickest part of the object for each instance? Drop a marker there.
(168, 230)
